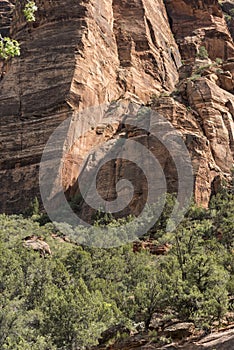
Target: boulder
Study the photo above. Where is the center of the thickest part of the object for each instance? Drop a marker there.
(37, 244)
(179, 330)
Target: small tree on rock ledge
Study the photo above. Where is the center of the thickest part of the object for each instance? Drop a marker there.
(202, 52)
(9, 47)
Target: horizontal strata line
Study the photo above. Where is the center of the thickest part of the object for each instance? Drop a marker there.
(25, 153)
(45, 91)
(39, 119)
(52, 124)
(26, 161)
(52, 23)
(29, 130)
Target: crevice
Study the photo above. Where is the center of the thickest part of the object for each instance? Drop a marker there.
(152, 35)
(170, 19)
(228, 126)
(124, 47)
(164, 71)
(126, 38)
(173, 59)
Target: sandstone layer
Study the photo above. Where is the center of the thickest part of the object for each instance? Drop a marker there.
(195, 23)
(6, 12)
(86, 54)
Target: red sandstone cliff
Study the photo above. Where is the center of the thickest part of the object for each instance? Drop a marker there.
(82, 54)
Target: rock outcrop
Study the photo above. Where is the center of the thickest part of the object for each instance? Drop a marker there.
(74, 56)
(83, 54)
(223, 340)
(37, 244)
(227, 7)
(151, 246)
(200, 23)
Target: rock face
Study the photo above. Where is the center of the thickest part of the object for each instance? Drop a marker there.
(180, 330)
(79, 55)
(75, 56)
(6, 11)
(228, 6)
(152, 247)
(200, 23)
(221, 341)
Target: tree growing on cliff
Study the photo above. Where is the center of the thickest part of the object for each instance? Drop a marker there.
(29, 11)
(202, 53)
(10, 47)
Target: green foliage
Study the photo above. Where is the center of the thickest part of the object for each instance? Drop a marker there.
(194, 77)
(9, 48)
(202, 52)
(33, 210)
(200, 69)
(197, 278)
(222, 209)
(29, 11)
(227, 17)
(67, 300)
(219, 60)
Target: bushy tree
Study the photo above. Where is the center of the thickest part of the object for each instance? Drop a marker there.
(67, 300)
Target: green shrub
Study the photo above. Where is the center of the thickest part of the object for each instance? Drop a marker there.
(69, 299)
(202, 52)
(29, 11)
(194, 77)
(10, 47)
(227, 17)
(219, 60)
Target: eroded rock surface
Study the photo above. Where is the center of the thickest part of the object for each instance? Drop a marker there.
(223, 340)
(6, 11)
(78, 55)
(228, 6)
(200, 23)
(74, 56)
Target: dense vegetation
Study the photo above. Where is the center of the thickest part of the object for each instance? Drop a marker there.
(65, 301)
